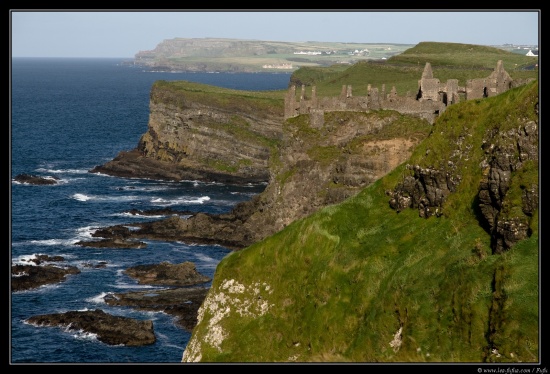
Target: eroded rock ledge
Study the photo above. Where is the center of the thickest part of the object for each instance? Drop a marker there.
(35, 179)
(112, 330)
(27, 277)
(134, 164)
(182, 303)
(167, 274)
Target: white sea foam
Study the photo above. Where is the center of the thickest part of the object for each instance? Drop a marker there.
(99, 299)
(24, 260)
(142, 188)
(84, 197)
(63, 171)
(81, 334)
(181, 200)
(204, 258)
(81, 197)
(134, 286)
(84, 233)
(50, 242)
(126, 214)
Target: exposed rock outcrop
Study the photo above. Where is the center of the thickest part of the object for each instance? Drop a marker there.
(115, 243)
(182, 303)
(40, 259)
(26, 277)
(167, 274)
(35, 179)
(427, 189)
(506, 152)
(112, 330)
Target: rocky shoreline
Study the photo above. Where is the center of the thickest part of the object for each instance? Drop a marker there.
(182, 299)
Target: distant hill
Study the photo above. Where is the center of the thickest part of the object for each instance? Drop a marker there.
(461, 55)
(236, 55)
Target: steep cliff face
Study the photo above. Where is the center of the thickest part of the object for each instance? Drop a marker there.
(507, 194)
(191, 138)
(317, 167)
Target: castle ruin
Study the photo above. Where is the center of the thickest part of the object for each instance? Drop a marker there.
(430, 100)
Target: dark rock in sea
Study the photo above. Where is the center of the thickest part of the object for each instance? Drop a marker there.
(26, 277)
(39, 259)
(167, 274)
(202, 228)
(34, 179)
(183, 302)
(113, 243)
(100, 264)
(112, 330)
(113, 232)
(114, 237)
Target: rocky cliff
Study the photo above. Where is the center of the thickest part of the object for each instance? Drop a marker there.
(190, 138)
(225, 137)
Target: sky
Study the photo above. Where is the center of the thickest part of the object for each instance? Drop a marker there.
(110, 33)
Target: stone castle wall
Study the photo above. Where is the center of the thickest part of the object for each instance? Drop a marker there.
(430, 101)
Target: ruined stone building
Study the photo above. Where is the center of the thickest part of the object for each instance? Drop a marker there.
(430, 100)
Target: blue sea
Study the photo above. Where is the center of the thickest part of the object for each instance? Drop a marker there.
(67, 116)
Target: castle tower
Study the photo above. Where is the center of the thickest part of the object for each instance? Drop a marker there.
(499, 80)
(343, 93)
(314, 102)
(427, 73)
(428, 86)
(290, 102)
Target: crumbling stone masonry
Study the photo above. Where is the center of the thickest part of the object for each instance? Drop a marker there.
(431, 99)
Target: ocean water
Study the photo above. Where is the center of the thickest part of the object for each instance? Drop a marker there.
(67, 116)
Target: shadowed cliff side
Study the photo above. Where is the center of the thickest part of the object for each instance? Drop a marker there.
(201, 132)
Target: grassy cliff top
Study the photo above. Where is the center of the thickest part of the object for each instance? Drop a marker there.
(183, 92)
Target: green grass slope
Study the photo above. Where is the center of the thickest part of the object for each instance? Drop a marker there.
(358, 282)
(458, 54)
(448, 60)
